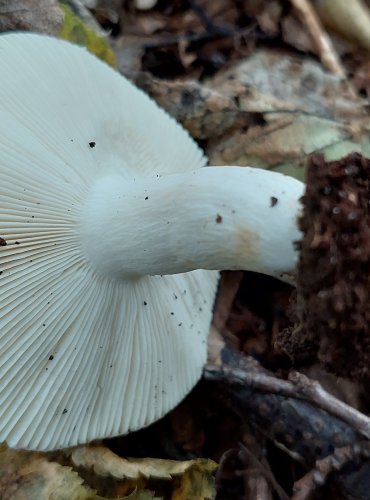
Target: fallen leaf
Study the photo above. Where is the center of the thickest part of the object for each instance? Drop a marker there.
(195, 485)
(78, 31)
(30, 476)
(298, 85)
(295, 34)
(303, 109)
(203, 111)
(191, 479)
(107, 464)
(228, 288)
(143, 495)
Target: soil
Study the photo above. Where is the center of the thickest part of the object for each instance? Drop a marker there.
(333, 308)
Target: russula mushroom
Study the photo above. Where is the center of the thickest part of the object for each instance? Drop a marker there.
(112, 233)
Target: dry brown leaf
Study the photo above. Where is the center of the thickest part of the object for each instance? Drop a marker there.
(284, 144)
(190, 479)
(142, 495)
(270, 17)
(294, 34)
(250, 117)
(129, 51)
(301, 109)
(38, 476)
(205, 112)
(271, 81)
(216, 343)
(228, 288)
(30, 476)
(43, 16)
(107, 464)
(195, 485)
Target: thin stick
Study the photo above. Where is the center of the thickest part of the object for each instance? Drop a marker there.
(307, 485)
(265, 471)
(319, 36)
(299, 387)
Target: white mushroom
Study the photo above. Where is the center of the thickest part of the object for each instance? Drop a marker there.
(103, 202)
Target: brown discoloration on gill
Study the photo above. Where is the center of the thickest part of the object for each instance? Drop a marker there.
(3, 242)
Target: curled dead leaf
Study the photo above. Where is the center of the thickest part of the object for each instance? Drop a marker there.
(30, 476)
(107, 464)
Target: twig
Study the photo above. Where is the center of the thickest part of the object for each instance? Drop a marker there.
(298, 387)
(307, 485)
(312, 391)
(265, 471)
(320, 38)
(199, 11)
(351, 19)
(202, 36)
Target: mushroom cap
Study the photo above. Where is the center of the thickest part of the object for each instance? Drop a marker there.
(84, 356)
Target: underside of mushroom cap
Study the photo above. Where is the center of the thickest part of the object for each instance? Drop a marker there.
(84, 356)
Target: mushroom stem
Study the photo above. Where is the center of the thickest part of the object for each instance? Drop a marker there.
(212, 218)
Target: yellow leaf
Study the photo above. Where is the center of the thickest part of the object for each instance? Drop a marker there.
(191, 479)
(76, 30)
(196, 483)
(106, 463)
(30, 476)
